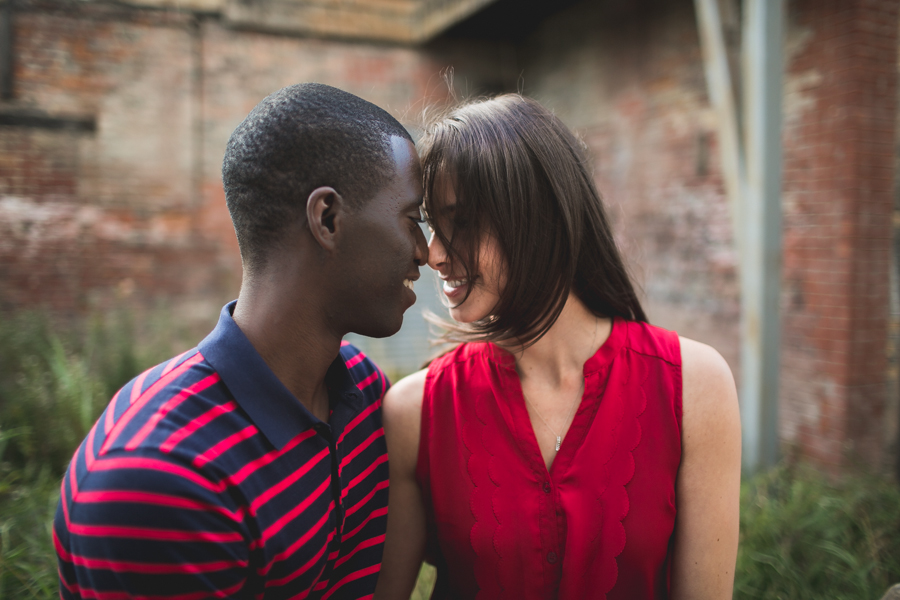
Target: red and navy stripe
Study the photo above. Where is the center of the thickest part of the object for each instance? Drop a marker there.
(204, 478)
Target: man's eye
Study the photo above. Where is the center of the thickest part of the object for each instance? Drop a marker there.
(422, 217)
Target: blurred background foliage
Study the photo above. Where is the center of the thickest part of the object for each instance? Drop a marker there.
(55, 380)
(806, 536)
(803, 534)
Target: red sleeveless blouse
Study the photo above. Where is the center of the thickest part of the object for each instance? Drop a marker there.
(599, 524)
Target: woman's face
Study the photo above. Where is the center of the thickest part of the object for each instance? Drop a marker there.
(488, 271)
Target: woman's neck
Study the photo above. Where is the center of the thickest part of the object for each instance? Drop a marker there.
(559, 356)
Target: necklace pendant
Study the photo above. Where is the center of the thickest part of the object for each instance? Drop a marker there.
(558, 442)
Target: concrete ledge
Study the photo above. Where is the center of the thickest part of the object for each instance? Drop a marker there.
(397, 21)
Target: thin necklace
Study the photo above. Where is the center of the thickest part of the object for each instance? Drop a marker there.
(547, 425)
(574, 402)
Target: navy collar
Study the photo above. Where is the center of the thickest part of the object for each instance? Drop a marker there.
(272, 407)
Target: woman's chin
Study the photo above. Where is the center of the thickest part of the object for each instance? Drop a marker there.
(460, 316)
(467, 315)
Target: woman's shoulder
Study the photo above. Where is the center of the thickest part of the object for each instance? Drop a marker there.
(695, 358)
(651, 340)
(707, 390)
(443, 375)
(406, 394)
(402, 417)
(703, 362)
(709, 396)
(463, 358)
(462, 353)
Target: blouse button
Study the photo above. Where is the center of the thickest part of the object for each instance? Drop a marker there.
(546, 487)
(551, 557)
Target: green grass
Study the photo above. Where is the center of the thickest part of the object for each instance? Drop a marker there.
(27, 561)
(802, 535)
(55, 379)
(425, 583)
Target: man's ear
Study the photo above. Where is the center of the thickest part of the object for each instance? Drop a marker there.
(325, 210)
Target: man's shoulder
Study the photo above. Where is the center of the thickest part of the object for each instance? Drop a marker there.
(367, 376)
(179, 408)
(155, 443)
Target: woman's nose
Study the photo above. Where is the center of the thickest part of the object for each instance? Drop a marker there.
(437, 254)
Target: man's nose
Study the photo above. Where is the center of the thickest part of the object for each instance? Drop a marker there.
(422, 249)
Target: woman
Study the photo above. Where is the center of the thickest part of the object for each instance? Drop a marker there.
(549, 455)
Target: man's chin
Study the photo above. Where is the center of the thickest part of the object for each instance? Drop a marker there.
(384, 328)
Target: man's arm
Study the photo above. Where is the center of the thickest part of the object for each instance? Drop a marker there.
(142, 524)
(405, 542)
(708, 487)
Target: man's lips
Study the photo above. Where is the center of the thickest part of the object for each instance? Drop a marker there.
(410, 279)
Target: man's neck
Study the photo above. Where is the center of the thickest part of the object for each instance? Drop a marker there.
(291, 339)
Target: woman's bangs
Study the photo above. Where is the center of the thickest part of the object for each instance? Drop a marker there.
(520, 176)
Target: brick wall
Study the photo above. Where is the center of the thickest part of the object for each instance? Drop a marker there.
(838, 184)
(629, 77)
(88, 218)
(133, 208)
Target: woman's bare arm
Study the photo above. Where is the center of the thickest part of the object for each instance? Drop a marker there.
(405, 541)
(708, 487)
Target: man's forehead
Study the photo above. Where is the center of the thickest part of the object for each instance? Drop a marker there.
(403, 187)
(403, 148)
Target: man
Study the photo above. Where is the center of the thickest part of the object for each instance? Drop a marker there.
(254, 466)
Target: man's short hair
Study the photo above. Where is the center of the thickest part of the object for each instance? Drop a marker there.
(302, 137)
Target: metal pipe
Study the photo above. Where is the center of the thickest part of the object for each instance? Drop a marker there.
(751, 165)
(718, 79)
(760, 257)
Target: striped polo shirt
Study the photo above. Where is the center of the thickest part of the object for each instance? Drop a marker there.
(206, 478)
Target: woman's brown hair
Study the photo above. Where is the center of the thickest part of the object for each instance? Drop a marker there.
(520, 175)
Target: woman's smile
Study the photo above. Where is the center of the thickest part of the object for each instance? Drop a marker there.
(455, 287)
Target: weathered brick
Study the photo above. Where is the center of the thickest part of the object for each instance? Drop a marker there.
(137, 207)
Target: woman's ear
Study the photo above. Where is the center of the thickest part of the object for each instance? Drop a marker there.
(324, 214)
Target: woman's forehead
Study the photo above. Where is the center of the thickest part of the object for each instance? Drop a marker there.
(443, 190)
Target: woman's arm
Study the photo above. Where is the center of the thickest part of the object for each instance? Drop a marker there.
(405, 541)
(709, 478)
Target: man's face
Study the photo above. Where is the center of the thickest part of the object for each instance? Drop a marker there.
(384, 248)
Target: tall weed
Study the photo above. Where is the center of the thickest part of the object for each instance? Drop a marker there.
(802, 535)
(55, 380)
(28, 500)
(805, 537)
